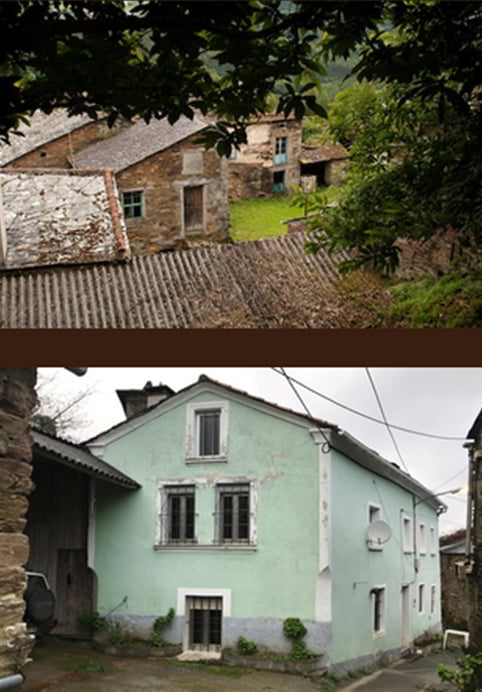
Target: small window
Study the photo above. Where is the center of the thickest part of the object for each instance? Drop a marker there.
(281, 150)
(193, 207)
(278, 181)
(433, 547)
(421, 598)
(133, 204)
(378, 610)
(374, 513)
(233, 513)
(432, 598)
(208, 429)
(205, 621)
(422, 538)
(407, 534)
(177, 514)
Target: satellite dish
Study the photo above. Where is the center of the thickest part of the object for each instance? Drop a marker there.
(378, 532)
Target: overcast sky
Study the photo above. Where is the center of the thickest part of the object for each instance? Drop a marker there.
(440, 401)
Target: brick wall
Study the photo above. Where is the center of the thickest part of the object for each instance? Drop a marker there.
(455, 603)
(17, 398)
(162, 178)
(56, 154)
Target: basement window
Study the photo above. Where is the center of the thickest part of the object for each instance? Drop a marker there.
(205, 623)
(133, 202)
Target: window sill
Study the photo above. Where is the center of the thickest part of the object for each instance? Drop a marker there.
(207, 460)
(188, 547)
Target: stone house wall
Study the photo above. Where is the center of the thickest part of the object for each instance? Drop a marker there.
(17, 399)
(259, 152)
(455, 595)
(162, 178)
(56, 154)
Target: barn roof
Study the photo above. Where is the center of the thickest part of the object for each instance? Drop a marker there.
(56, 216)
(136, 143)
(78, 457)
(329, 151)
(263, 283)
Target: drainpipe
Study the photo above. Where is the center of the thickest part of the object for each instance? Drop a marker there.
(11, 682)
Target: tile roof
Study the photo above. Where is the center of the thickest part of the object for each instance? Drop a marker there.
(79, 458)
(263, 283)
(57, 216)
(136, 143)
(328, 151)
(43, 128)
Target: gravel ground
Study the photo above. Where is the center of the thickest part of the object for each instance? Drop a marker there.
(61, 665)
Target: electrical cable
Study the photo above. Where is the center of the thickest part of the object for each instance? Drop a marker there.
(371, 418)
(387, 425)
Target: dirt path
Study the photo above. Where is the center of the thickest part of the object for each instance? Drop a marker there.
(69, 666)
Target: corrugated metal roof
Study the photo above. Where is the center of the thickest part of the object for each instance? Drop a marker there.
(264, 283)
(136, 143)
(79, 458)
(42, 128)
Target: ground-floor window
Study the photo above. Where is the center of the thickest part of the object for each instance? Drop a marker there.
(278, 181)
(205, 622)
(378, 610)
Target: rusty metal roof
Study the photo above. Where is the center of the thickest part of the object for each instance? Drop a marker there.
(80, 458)
(264, 283)
(56, 216)
(42, 128)
(136, 143)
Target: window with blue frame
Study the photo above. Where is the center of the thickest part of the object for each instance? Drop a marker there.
(281, 150)
(278, 181)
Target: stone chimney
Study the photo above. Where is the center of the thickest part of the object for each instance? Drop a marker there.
(136, 401)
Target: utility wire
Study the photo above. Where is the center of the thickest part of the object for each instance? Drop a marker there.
(325, 447)
(365, 415)
(387, 425)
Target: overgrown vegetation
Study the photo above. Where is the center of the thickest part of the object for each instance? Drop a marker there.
(294, 629)
(159, 625)
(93, 621)
(467, 677)
(246, 647)
(117, 636)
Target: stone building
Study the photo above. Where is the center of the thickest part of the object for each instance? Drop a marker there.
(17, 399)
(322, 165)
(269, 162)
(455, 596)
(172, 190)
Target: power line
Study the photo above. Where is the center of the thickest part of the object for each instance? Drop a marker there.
(379, 402)
(327, 446)
(371, 418)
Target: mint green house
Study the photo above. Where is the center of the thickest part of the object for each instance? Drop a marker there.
(249, 513)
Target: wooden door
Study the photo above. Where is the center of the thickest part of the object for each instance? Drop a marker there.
(74, 591)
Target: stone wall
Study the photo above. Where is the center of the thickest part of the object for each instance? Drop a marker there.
(56, 154)
(162, 177)
(17, 398)
(455, 604)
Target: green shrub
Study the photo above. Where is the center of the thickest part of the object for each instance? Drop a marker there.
(93, 621)
(160, 624)
(294, 628)
(245, 646)
(467, 677)
(117, 637)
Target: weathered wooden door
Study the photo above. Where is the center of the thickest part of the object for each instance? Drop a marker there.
(193, 207)
(74, 591)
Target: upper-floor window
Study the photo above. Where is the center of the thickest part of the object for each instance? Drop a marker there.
(233, 513)
(207, 431)
(133, 202)
(177, 515)
(374, 514)
(433, 546)
(422, 539)
(193, 207)
(407, 534)
(281, 150)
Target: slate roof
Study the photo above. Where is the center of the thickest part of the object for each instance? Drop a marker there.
(56, 216)
(263, 283)
(136, 143)
(79, 458)
(43, 128)
(330, 151)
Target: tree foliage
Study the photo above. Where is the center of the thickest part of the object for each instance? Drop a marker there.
(60, 414)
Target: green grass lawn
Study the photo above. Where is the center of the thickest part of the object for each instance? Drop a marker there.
(261, 218)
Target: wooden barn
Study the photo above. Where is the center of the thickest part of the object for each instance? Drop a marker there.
(60, 523)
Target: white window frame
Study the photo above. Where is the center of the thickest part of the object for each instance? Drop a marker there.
(382, 590)
(422, 538)
(421, 598)
(192, 431)
(407, 535)
(433, 542)
(162, 518)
